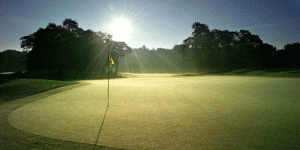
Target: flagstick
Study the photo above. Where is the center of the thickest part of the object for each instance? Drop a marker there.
(106, 107)
(108, 81)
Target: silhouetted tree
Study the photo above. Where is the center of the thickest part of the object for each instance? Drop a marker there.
(267, 52)
(200, 29)
(97, 46)
(200, 46)
(293, 47)
(247, 47)
(119, 49)
(70, 25)
(69, 47)
(12, 61)
(183, 49)
(27, 42)
(224, 40)
(53, 48)
(180, 49)
(289, 55)
(225, 50)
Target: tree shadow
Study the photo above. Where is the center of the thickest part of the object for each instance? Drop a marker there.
(274, 69)
(264, 69)
(5, 78)
(191, 74)
(60, 76)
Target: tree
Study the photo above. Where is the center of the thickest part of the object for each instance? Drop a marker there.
(66, 47)
(70, 25)
(27, 42)
(144, 47)
(53, 48)
(203, 48)
(292, 52)
(12, 61)
(200, 29)
(267, 52)
(70, 48)
(224, 50)
(118, 50)
(183, 49)
(224, 41)
(247, 49)
(180, 49)
(292, 47)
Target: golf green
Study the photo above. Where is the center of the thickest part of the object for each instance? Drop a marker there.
(161, 111)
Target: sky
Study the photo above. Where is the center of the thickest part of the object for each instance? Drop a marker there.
(154, 23)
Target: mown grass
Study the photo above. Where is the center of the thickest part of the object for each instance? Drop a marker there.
(266, 72)
(14, 88)
(258, 72)
(19, 88)
(19, 85)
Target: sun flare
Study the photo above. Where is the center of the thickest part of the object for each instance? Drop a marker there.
(121, 29)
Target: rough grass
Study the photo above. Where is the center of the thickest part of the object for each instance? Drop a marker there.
(19, 88)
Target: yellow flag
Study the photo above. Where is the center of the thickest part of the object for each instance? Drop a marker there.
(110, 60)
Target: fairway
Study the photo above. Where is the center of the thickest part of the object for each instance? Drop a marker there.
(163, 111)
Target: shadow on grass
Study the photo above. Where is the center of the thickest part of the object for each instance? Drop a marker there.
(60, 76)
(258, 71)
(266, 72)
(5, 78)
(75, 76)
(269, 70)
(201, 73)
(190, 74)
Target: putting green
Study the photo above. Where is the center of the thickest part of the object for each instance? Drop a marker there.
(163, 112)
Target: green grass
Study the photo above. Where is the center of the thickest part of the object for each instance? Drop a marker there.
(243, 117)
(19, 88)
(265, 72)
(258, 72)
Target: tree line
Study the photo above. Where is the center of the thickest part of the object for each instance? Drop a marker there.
(12, 61)
(160, 60)
(228, 50)
(69, 47)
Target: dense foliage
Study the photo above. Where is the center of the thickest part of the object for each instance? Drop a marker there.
(288, 57)
(229, 50)
(12, 61)
(69, 47)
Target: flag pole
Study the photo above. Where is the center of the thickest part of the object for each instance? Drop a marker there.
(107, 103)
(108, 80)
(110, 63)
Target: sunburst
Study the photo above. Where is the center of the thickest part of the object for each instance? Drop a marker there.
(121, 29)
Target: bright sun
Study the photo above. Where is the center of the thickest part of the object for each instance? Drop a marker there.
(121, 29)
